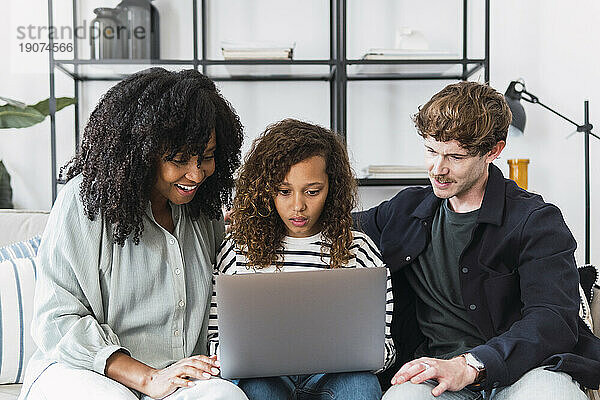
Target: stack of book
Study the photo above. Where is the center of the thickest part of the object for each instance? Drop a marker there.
(400, 54)
(257, 51)
(395, 172)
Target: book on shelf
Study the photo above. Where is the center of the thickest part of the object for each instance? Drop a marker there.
(401, 54)
(257, 51)
(396, 172)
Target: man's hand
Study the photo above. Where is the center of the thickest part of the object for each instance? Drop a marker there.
(452, 375)
(163, 382)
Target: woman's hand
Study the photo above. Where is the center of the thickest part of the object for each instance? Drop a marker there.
(452, 375)
(158, 383)
(163, 382)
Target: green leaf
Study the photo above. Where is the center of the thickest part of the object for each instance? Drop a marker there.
(61, 102)
(12, 116)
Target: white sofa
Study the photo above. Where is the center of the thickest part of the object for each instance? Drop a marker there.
(17, 225)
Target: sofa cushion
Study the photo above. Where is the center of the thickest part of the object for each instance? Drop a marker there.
(18, 225)
(24, 249)
(17, 285)
(10, 392)
(588, 279)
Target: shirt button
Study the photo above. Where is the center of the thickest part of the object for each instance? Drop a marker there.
(176, 333)
(181, 303)
(472, 306)
(177, 271)
(172, 241)
(465, 270)
(407, 258)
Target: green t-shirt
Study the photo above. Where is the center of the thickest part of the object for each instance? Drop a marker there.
(435, 278)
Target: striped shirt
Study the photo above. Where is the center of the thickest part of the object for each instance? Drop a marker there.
(303, 254)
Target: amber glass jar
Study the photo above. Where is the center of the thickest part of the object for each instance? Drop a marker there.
(518, 171)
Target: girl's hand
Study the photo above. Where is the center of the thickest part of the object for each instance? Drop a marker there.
(162, 382)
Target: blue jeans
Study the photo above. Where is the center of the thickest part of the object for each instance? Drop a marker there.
(348, 386)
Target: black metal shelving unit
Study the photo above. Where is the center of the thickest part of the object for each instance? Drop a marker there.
(337, 75)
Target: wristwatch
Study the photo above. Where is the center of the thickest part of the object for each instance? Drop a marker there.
(474, 362)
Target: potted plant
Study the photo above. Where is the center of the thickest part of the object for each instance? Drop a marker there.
(15, 114)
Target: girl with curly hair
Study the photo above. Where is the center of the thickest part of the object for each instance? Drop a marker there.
(122, 297)
(291, 212)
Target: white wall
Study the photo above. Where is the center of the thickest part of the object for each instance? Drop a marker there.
(552, 44)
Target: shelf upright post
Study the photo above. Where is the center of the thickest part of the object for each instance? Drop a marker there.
(52, 102)
(76, 79)
(204, 35)
(333, 48)
(487, 41)
(586, 166)
(464, 40)
(343, 73)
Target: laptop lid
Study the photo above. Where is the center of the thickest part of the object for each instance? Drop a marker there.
(307, 322)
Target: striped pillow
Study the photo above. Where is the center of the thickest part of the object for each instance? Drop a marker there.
(26, 248)
(17, 285)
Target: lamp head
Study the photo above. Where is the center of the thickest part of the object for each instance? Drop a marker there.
(513, 97)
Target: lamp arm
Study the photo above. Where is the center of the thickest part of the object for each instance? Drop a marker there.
(531, 98)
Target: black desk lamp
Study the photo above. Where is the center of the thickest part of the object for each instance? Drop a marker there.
(515, 92)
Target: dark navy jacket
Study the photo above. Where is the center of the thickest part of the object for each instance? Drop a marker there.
(518, 278)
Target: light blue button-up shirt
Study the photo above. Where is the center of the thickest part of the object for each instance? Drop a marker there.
(94, 297)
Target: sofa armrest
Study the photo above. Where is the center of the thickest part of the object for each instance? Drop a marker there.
(595, 310)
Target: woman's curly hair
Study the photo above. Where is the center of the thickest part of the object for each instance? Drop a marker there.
(257, 228)
(147, 115)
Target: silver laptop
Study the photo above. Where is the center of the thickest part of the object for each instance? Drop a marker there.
(295, 323)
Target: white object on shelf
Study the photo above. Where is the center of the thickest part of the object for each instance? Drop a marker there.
(410, 39)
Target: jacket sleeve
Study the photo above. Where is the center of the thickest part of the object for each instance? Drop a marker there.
(68, 319)
(548, 282)
(372, 220)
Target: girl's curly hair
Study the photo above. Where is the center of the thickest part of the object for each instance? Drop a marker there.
(257, 228)
(147, 115)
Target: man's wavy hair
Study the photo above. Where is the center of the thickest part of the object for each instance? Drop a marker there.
(471, 113)
(152, 114)
(257, 229)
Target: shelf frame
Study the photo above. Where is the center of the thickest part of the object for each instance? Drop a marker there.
(337, 76)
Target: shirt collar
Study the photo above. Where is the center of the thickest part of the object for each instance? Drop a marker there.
(492, 207)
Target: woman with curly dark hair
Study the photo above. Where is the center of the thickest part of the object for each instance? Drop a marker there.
(122, 297)
(291, 212)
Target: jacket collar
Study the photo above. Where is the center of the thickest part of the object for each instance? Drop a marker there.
(492, 207)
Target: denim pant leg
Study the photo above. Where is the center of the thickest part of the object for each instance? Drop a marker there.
(539, 384)
(422, 391)
(346, 386)
(273, 388)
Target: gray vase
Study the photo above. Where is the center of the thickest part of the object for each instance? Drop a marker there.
(142, 21)
(108, 35)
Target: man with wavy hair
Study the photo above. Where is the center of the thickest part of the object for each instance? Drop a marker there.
(484, 275)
